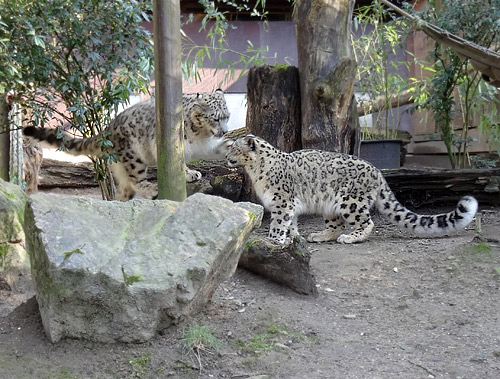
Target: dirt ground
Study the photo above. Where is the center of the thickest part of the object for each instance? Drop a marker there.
(394, 306)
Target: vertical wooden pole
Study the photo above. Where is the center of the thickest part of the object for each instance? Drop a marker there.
(168, 90)
(4, 139)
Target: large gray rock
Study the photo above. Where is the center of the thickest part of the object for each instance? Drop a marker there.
(12, 203)
(114, 271)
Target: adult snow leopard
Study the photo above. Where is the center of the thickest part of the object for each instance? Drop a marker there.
(341, 187)
(133, 134)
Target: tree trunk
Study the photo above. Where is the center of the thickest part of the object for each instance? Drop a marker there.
(327, 71)
(168, 85)
(274, 106)
(4, 139)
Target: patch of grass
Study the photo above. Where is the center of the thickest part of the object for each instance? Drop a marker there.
(266, 341)
(141, 365)
(201, 243)
(64, 373)
(198, 340)
(481, 248)
(261, 343)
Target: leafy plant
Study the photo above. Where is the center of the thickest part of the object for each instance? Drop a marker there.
(217, 51)
(379, 75)
(89, 56)
(454, 78)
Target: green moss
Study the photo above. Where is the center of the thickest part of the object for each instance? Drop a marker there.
(201, 243)
(8, 195)
(3, 254)
(252, 215)
(128, 280)
(218, 180)
(68, 254)
(250, 244)
(281, 66)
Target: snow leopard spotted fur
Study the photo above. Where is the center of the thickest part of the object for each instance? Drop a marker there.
(133, 134)
(341, 187)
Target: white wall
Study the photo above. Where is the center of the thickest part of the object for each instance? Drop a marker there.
(237, 106)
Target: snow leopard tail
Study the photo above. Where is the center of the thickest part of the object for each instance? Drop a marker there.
(73, 146)
(426, 225)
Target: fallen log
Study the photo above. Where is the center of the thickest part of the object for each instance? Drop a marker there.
(413, 187)
(287, 265)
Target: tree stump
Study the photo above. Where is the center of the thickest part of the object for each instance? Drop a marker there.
(274, 106)
(327, 71)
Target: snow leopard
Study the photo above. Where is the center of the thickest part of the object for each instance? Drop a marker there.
(342, 188)
(133, 135)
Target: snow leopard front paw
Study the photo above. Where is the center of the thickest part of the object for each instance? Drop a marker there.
(192, 175)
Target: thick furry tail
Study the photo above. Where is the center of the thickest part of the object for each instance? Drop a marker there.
(426, 225)
(73, 146)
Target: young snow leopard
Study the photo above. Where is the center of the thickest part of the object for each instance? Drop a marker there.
(341, 187)
(133, 134)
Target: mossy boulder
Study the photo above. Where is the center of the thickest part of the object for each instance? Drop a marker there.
(112, 271)
(12, 205)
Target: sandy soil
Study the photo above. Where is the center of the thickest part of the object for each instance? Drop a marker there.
(393, 307)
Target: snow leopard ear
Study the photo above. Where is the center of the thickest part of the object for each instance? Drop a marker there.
(218, 90)
(251, 142)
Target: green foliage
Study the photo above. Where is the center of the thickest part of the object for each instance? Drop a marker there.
(475, 21)
(217, 51)
(89, 56)
(380, 37)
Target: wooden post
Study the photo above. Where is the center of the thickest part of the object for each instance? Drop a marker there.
(4, 139)
(168, 90)
(274, 106)
(327, 70)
